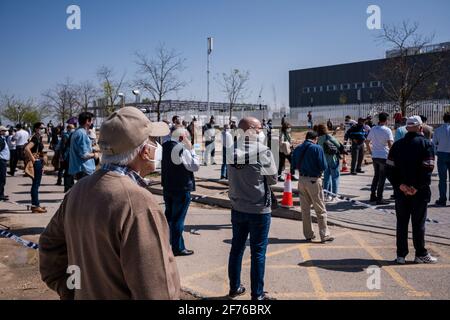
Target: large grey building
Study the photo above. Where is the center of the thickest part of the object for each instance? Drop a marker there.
(358, 82)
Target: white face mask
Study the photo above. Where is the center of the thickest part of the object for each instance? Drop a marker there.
(42, 131)
(158, 153)
(261, 137)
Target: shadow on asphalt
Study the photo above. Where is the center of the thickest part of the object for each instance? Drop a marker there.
(212, 187)
(28, 231)
(346, 265)
(213, 227)
(42, 200)
(40, 192)
(275, 241)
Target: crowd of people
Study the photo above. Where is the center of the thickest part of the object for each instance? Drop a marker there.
(110, 225)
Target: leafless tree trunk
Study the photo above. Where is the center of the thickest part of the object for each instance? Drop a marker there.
(234, 86)
(160, 75)
(406, 77)
(62, 100)
(111, 86)
(87, 92)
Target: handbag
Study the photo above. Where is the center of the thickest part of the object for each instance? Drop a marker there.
(29, 169)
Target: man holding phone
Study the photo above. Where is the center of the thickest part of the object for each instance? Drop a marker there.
(179, 162)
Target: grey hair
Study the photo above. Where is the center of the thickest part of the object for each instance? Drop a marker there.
(124, 158)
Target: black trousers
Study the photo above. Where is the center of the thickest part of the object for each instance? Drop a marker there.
(416, 208)
(13, 159)
(379, 179)
(3, 166)
(357, 156)
(281, 165)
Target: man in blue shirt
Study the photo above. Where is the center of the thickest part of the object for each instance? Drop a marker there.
(82, 157)
(309, 159)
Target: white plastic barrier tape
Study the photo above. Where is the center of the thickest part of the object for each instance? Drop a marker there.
(25, 243)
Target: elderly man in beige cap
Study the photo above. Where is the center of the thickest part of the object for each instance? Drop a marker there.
(109, 239)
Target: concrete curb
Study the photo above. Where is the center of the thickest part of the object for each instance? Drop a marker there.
(292, 214)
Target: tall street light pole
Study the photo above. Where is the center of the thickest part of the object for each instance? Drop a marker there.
(210, 48)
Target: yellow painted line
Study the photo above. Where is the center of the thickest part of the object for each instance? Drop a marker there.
(313, 275)
(394, 274)
(342, 294)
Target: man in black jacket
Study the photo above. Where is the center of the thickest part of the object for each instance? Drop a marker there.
(357, 135)
(410, 164)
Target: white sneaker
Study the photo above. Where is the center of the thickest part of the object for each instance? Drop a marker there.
(426, 259)
(400, 260)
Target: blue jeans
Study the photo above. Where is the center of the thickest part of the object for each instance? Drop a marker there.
(331, 178)
(258, 226)
(223, 169)
(36, 183)
(443, 164)
(177, 205)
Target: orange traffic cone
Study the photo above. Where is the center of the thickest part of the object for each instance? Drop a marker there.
(287, 200)
(344, 166)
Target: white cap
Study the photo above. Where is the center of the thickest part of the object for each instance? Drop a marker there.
(414, 121)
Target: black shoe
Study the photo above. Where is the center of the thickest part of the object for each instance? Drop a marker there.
(310, 239)
(239, 292)
(280, 179)
(440, 203)
(382, 202)
(294, 178)
(59, 183)
(360, 171)
(353, 173)
(262, 297)
(373, 198)
(184, 252)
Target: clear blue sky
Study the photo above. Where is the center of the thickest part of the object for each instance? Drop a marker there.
(268, 38)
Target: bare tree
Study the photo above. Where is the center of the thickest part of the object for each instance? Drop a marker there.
(160, 75)
(408, 77)
(234, 85)
(62, 100)
(87, 93)
(111, 86)
(21, 111)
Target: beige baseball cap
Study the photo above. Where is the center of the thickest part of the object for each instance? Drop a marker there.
(126, 129)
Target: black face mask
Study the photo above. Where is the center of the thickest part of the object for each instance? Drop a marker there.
(92, 126)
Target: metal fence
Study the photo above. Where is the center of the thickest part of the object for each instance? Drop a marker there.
(434, 110)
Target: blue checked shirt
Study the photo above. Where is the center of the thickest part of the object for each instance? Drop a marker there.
(125, 171)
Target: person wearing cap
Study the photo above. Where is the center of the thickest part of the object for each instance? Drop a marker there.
(4, 158)
(110, 226)
(441, 140)
(357, 134)
(179, 162)
(410, 164)
(82, 156)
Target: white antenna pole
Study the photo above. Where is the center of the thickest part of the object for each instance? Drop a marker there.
(210, 48)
